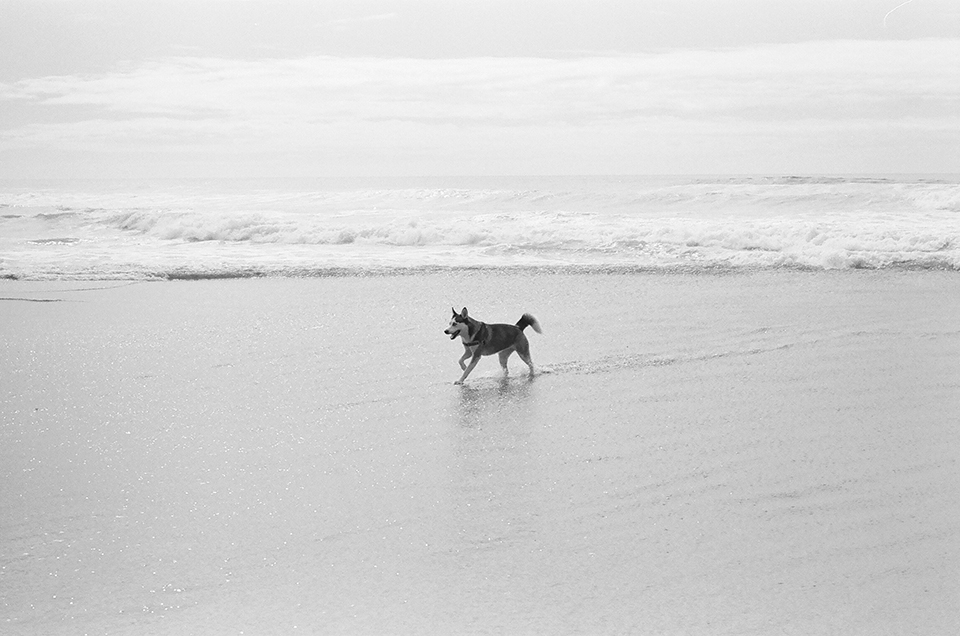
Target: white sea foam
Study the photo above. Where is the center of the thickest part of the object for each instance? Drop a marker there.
(95, 231)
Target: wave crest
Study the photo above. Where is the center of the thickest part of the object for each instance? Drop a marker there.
(707, 224)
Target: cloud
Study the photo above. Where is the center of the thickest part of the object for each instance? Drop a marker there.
(361, 105)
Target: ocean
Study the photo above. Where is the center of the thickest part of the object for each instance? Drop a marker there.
(214, 229)
(228, 408)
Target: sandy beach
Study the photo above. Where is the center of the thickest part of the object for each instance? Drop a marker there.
(763, 453)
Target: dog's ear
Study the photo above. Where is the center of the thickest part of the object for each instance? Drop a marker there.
(454, 311)
(463, 314)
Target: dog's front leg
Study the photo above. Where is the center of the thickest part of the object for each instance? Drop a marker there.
(473, 363)
(466, 354)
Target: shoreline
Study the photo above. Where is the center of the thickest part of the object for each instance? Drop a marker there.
(505, 270)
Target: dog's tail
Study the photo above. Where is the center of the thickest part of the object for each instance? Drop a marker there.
(526, 320)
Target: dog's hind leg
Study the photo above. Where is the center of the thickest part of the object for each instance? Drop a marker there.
(529, 362)
(503, 360)
(523, 350)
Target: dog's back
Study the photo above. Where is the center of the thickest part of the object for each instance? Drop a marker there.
(499, 336)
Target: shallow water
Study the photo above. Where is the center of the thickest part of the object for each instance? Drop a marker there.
(753, 453)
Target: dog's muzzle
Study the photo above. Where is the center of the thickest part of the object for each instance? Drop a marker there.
(452, 335)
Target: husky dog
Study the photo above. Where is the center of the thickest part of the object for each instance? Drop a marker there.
(481, 339)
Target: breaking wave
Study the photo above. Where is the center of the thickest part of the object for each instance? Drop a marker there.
(585, 222)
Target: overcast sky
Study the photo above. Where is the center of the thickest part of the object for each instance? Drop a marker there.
(139, 88)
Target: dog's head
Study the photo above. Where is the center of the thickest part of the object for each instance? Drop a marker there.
(459, 325)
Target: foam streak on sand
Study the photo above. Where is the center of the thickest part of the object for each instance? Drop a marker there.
(205, 230)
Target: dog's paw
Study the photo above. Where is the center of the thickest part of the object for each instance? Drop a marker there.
(463, 367)
(459, 382)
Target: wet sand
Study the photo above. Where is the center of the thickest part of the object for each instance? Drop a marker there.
(725, 454)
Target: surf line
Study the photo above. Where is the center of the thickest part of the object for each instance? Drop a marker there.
(79, 289)
(36, 300)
